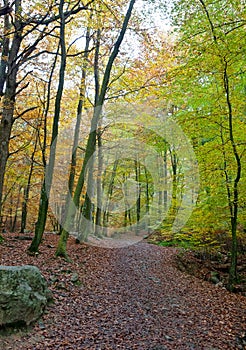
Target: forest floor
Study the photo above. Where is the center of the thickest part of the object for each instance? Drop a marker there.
(127, 298)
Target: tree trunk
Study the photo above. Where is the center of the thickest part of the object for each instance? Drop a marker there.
(127, 213)
(165, 180)
(138, 202)
(98, 230)
(44, 200)
(172, 212)
(110, 193)
(98, 223)
(147, 198)
(13, 228)
(86, 226)
(91, 143)
(78, 123)
(232, 191)
(5, 132)
(27, 188)
(233, 198)
(8, 78)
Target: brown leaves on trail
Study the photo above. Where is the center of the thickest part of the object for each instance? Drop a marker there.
(126, 298)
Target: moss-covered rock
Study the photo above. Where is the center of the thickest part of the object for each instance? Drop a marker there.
(23, 294)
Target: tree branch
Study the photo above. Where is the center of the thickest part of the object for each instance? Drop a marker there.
(5, 10)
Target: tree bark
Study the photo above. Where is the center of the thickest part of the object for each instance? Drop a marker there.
(91, 143)
(44, 200)
(98, 221)
(9, 70)
(27, 187)
(233, 198)
(14, 224)
(172, 212)
(138, 202)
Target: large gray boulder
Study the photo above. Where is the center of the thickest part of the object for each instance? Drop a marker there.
(23, 294)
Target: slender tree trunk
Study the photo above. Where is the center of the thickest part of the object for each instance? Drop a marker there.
(147, 198)
(5, 132)
(78, 123)
(9, 69)
(127, 214)
(24, 208)
(86, 226)
(5, 51)
(98, 230)
(13, 228)
(110, 193)
(129, 218)
(233, 198)
(91, 143)
(138, 202)
(98, 223)
(125, 217)
(10, 212)
(165, 180)
(44, 200)
(27, 188)
(232, 193)
(172, 212)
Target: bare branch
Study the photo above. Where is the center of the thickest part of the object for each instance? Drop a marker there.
(21, 89)
(25, 111)
(66, 14)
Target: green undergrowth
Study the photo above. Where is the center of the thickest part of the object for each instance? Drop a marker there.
(175, 243)
(204, 242)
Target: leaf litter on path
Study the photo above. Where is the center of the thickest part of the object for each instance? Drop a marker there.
(124, 298)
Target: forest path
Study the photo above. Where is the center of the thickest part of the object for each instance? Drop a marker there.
(147, 303)
(130, 298)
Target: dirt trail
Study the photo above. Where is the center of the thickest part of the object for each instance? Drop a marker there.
(132, 298)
